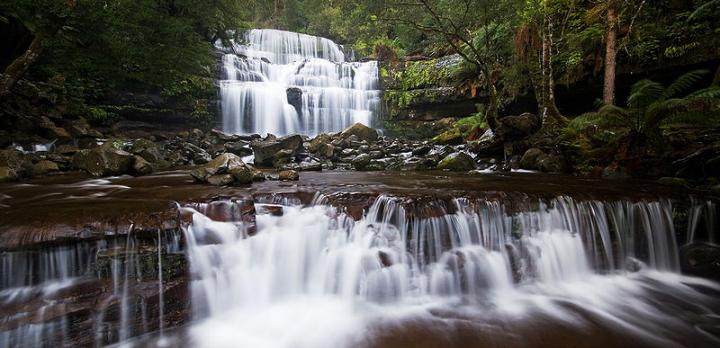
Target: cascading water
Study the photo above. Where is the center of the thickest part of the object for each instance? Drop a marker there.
(587, 264)
(282, 82)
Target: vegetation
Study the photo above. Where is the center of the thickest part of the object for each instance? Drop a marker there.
(519, 55)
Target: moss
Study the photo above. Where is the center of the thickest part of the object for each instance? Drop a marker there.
(453, 136)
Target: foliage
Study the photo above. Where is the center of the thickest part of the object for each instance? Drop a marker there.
(651, 105)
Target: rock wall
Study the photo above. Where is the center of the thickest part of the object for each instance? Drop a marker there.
(428, 89)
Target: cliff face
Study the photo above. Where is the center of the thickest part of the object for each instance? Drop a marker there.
(429, 89)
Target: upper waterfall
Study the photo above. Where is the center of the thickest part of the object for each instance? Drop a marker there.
(282, 82)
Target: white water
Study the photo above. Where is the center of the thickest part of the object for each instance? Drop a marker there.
(315, 278)
(335, 93)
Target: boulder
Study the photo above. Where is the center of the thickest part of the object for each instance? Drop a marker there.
(452, 136)
(518, 127)
(220, 179)
(551, 164)
(11, 158)
(44, 167)
(458, 161)
(147, 150)
(243, 174)
(289, 175)
(239, 148)
(223, 164)
(319, 142)
(266, 150)
(103, 160)
(361, 131)
(7, 174)
(360, 162)
(531, 158)
(141, 166)
(294, 98)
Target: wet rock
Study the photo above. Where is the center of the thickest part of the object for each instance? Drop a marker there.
(147, 150)
(195, 154)
(294, 98)
(375, 165)
(104, 160)
(361, 132)
(44, 167)
(422, 150)
(11, 158)
(458, 161)
(66, 149)
(551, 164)
(518, 127)
(53, 131)
(239, 148)
(289, 175)
(220, 179)
(243, 175)
(531, 158)
(266, 151)
(7, 174)
(224, 136)
(222, 164)
(319, 142)
(360, 162)
(81, 129)
(141, 166)
(452, 136)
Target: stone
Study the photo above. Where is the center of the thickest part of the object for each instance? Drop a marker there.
(222, 164)
(66, 149)
(44, 167)
(224, 136)
(220, 179)
(318, 143)
(266, 150)
(294, 98)
(457, 162)
(243, 175)
(289, 175)
(551, 164)
(239, 148)
(518, 127)
(7, 174)
(361, 161)
(452, 136)
(11, 158)
(142, 166)
(361, 131)
(104, 160)
(147, 150)
(530, 159)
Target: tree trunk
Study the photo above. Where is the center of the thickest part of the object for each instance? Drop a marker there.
(15, 71)
(610, 54)
(492, 111)
(550, 114)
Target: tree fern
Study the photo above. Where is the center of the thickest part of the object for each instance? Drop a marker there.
(684, 83)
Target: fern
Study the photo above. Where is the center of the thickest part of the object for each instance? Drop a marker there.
(684, 83)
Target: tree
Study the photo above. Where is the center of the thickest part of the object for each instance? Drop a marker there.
(478, 30)
(45, 19)
(534, 46)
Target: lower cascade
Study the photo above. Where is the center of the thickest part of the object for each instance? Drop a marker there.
(282, 82)
(408, 271)
(313, 277)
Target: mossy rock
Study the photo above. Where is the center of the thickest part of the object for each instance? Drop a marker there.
(457, 162)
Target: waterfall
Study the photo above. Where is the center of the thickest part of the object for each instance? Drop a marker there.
(282, 82)
(317, 265)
